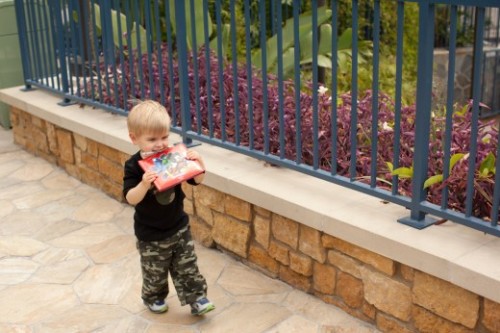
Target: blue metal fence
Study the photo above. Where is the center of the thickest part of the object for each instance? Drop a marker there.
(339, 90)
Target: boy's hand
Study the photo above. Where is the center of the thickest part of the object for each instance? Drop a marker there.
(193, 155)
(148, 178)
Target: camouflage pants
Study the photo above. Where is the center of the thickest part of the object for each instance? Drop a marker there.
(175, 256)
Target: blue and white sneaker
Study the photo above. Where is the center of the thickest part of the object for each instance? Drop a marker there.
(158, 306)
(201, 306)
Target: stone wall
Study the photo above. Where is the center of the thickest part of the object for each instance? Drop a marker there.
(395, 297)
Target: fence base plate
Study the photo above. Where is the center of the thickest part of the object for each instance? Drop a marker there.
(418, 224)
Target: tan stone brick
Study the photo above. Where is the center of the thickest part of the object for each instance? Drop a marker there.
(369, 310)
(262, 230)
(285, 230)
(37, 122)
(238, 208)
(391, 325)
(350, 289)
(40, 140)
(310, 243)
(89, 176)
(52, 139)
(297, 280)
(80, 141)
(112, 189)
(65, 144)
(188, 190)
(92, 147)
(407, 272)
(379, 262)
(111, 170)
(279, 252)
(89, 161)
(301, 264)
(324, 277)
(231, 234)
(345, 263)
(124, 157)
(261, 258)
(209, 197)
(446, 300)
(108, 152)
(262, 211)
(387, 295)
(427, 322)
(328, 241)
(201, 232)
(188, 206)
(204, 213)
(491, 318)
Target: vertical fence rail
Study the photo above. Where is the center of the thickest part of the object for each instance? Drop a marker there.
(418, 218)
(273, 106)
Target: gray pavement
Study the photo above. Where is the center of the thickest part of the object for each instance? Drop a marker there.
(68, 263)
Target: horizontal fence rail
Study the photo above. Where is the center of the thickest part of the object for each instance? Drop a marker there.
(352, 92)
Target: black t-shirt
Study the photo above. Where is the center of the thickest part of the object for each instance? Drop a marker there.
(160, 214)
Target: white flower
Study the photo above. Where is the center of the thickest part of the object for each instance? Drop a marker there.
(386, 127)
(322, 90)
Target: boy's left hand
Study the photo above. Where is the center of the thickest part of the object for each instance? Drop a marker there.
(192, 155)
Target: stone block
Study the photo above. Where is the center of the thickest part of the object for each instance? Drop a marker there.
(89, 160)
(262, 230)
(345, 263)
(324, 277)
(350, 289)
(209, 197)
(80, 141)
(285, 230)
(294, 279)
(238, 208)
(261, 258)
(108, 152)
(111, 170)
(65, 144)
(201, 232)
(386, 294)
(204, 213)
(262, 211)
(310, 243)
(491, 319)
(407, 272)
(375, 260)
(231, 234)
(427, 322)
(301, 264)
(279, 252)
(52, 139)
(446, 300)
(391, 325)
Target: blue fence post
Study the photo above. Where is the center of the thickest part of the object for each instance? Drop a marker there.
(23, 44)
(418, 218)
(61, 50)
(181, 32)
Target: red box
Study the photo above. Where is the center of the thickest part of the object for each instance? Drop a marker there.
(172, 166)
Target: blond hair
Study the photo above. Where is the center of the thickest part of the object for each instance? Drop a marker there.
(148, 117)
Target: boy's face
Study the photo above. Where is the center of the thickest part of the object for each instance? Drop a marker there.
(148, 142)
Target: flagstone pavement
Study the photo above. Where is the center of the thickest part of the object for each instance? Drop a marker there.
(68, 263)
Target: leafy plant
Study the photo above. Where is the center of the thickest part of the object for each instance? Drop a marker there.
(221, 118)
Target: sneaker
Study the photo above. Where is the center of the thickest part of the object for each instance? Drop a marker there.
(158, 306)
(201, 306)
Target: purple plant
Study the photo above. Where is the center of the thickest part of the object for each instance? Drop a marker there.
(129, 89)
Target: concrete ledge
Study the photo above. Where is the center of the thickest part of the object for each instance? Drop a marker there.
(462, 256)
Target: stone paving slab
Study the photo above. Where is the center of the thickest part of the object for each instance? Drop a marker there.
(68, 264)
